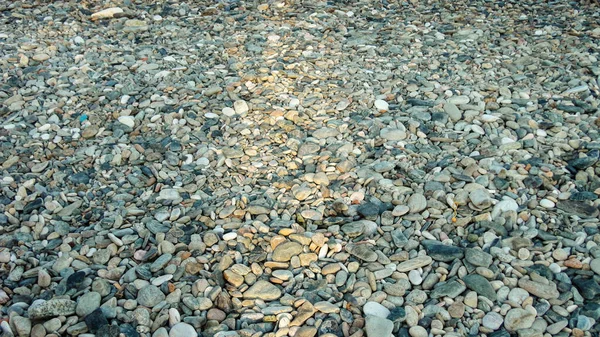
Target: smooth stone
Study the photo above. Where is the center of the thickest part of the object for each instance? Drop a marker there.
(480, 285)
(417, 262)
(183, 330)
(51, 308)
(417, 331)
(363, 252)
(441, 252)
(392, 134)
(22, 325)
(378, 327)
(95, 320)
(452, 111)
(375, 309)
(545, 291)
(595, 265)
(360, 227)
(492, 320)
(150, 295)
(450, 289)
(517, 319)
(547, 203)
(285, 251)
(416, 203)
(87, 303)
(263, 290)
(127, 120)
(480, 198)
(381, 105)
(106, 13)
(478, 257)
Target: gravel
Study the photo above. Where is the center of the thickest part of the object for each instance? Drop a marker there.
(305, 168)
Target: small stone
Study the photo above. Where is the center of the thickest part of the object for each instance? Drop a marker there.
(106, 13)
(241, 107)
(41, 57)
(44, 279)
(478, 257)
(480, 285)
(127, 120)
(452, 111)
(595, 265)
(96, 320)
(417, 331)
(392, 134)
(381, 106)
(547, 203)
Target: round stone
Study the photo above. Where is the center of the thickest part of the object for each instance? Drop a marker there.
(183, 330)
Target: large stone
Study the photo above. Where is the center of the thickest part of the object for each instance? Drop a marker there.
(51, 308)
(150, 296)
(285, 251)
(480, 285)
(450, 289)
(478, 257)
(375, 309)
(87, 303)
(417, 262)
(183, 330)
(263, 290)
(517, 319)
(441, 252)
(378, 327)
(546, 291)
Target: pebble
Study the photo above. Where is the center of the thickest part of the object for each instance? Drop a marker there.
(376, 309)
(182, 330)
(284, 169)
(518, 319)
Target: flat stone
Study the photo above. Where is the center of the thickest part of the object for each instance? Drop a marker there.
(392, 134)
(364, 252)
(182, 330)
(87, 303)
(444, 253)
(51, 308)
(418, 262)
(375, 309)
(478, 257)
(416, 203)
(150, 295)
(263, 290)
(450, 289)
(480, 285)
(517, 319)
(106, 13)
(492, 320)
(378, 327)
(285, 251)
(452, 111)
(546, 291)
